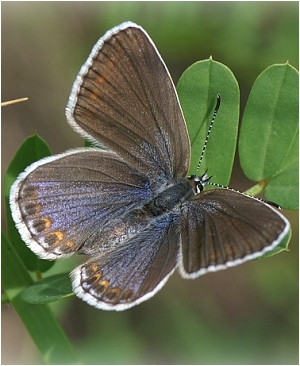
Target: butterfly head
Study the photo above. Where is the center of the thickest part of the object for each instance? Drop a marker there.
(198, 183)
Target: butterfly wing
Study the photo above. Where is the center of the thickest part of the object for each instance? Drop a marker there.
(220, 229)
(130, 274)
(61, 203)
(124, 97)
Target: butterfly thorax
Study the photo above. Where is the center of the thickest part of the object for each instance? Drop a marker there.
(170, 197)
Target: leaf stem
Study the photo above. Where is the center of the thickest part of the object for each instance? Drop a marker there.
(257, 188)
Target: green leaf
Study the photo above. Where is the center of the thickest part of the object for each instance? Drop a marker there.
(281, 247)
(268, 144)
(197, 89)
(48, 290)
(88, 143)
(31, 150)
(39, 320)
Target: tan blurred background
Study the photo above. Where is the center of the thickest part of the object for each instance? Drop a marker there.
(245, 315)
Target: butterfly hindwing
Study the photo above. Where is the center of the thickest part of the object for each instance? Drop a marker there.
(132, 273)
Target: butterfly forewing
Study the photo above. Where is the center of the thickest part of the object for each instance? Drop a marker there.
(124, 97)
(222, 228)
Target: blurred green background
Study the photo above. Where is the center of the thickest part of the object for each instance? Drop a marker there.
(244, 315)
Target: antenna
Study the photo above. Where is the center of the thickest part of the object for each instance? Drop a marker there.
(209, 131)
(205, 179)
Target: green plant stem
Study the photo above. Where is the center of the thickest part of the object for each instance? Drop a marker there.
(39, 320)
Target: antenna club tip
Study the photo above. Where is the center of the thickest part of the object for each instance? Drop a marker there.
(218, 102)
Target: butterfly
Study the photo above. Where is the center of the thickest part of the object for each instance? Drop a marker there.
(131, 207)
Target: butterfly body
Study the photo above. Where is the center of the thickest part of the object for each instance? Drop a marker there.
(131, 208)
(118, 230)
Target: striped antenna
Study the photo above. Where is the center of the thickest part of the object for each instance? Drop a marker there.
(209, 131)
(205, 179)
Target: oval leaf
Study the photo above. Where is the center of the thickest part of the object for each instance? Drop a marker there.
(197, 89)
(268, 144)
